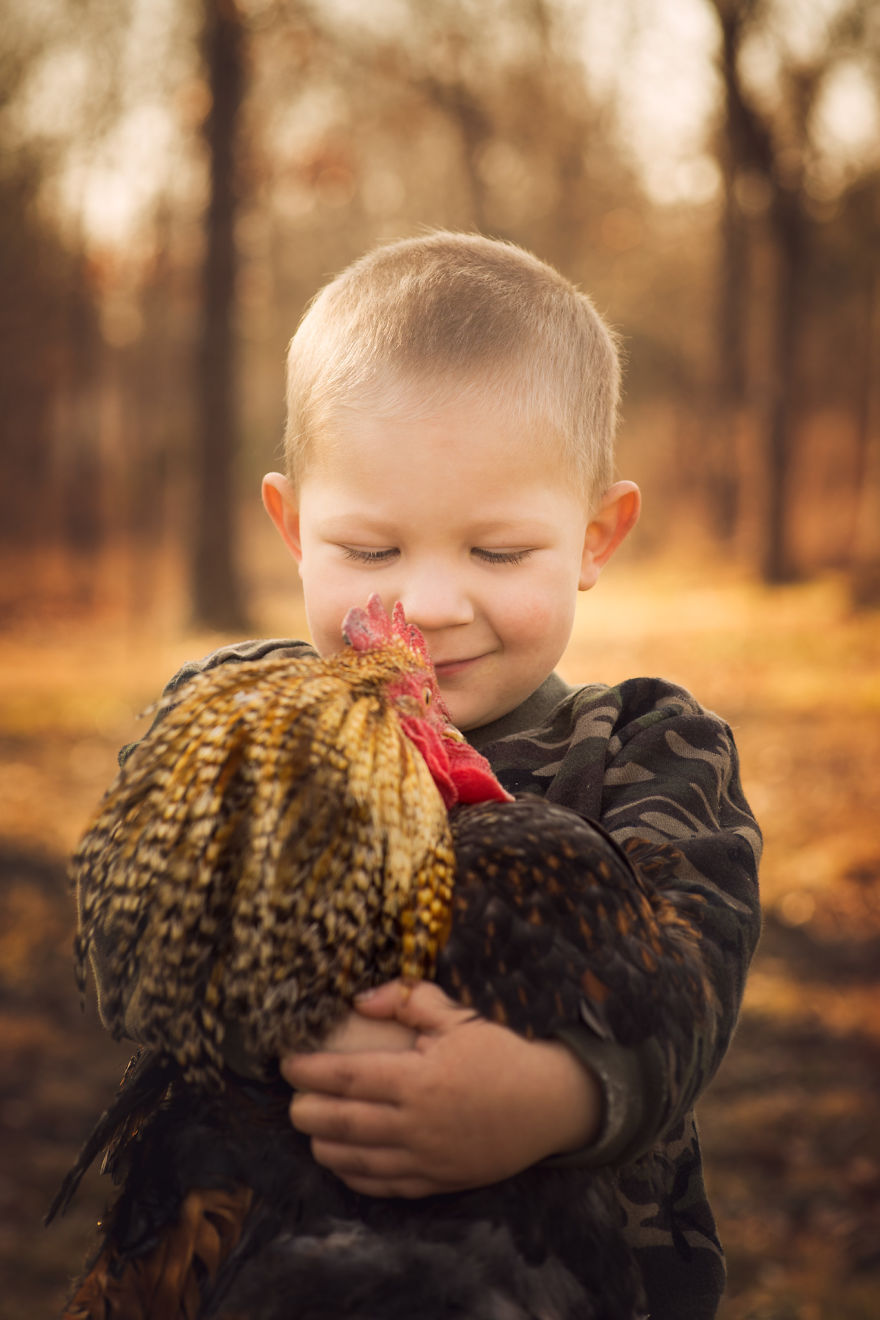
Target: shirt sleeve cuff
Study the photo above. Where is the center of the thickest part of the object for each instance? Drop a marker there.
(630, 1080)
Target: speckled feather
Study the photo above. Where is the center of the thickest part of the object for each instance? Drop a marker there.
(275, 845)
(550, 924)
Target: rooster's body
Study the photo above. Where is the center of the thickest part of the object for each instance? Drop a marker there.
(280, 842)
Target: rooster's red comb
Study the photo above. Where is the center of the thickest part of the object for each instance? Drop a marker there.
(370, 628)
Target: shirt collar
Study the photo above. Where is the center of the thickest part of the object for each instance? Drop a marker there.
(527, 715)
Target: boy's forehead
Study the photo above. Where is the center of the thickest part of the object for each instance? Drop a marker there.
(351, 493)
(502, 476)
(423, 409)
(341, 512)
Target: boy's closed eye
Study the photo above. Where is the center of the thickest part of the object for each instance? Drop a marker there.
(364, 556)
(500, 556)
(368, 556)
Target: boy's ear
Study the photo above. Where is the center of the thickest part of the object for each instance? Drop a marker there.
(279, 501)
(617, 514)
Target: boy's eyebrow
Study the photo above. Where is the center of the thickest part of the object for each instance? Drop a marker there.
(344, 524)
(521, 528)
(341, 524)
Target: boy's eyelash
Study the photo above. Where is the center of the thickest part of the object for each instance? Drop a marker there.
(502, 556)
(367, 556)
(383, 556)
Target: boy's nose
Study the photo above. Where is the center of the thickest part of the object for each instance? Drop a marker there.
(433, 600)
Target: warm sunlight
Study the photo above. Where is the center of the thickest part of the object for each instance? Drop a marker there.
(178, 180)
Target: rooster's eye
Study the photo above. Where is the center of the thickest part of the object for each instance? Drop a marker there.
(426, 695)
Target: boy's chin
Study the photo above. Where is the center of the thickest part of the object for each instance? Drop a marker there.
(471, 713)
(483, 690)
(461, 713)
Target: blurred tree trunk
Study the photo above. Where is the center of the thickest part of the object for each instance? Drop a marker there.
(766, 149)
(48, 327)
(749, 158)
(866, 541)
(469, 118)
(788, 226)
(216, 588)
(730, 383)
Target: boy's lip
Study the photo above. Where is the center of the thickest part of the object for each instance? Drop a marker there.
(445, 668)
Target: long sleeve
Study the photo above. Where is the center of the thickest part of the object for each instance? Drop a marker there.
(672, 775)
(645, 761)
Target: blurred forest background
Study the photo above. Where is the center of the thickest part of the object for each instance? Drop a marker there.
(177, 178)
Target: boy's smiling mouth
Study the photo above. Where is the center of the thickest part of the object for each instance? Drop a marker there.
(445, 668)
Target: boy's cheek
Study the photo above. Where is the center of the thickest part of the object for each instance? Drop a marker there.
(327, 600)
(535, 616)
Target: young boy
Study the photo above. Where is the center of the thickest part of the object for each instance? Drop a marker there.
(451, 414)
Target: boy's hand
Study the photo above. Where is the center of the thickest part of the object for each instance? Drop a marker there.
(470, 1103)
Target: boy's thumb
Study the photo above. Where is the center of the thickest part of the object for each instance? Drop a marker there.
(422, 1006)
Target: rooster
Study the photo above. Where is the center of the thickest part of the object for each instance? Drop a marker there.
(289, 834)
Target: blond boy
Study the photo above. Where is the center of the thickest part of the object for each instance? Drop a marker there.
(451, 416)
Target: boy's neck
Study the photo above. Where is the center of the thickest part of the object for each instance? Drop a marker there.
(524, 716)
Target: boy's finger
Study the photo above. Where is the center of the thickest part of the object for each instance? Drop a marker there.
(357, 1033)
(348, 1122)
(374, 1077)
(424, 1006)
(381, 1001)
(364, 1162)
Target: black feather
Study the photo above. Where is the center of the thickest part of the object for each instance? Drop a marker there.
(551, 926)
(543, 1244)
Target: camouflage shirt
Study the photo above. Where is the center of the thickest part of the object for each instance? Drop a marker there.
(646, 761)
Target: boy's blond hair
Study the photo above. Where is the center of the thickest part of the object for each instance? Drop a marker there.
(449, 314)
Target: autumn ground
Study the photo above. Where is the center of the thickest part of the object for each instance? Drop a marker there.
(792, 1123)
